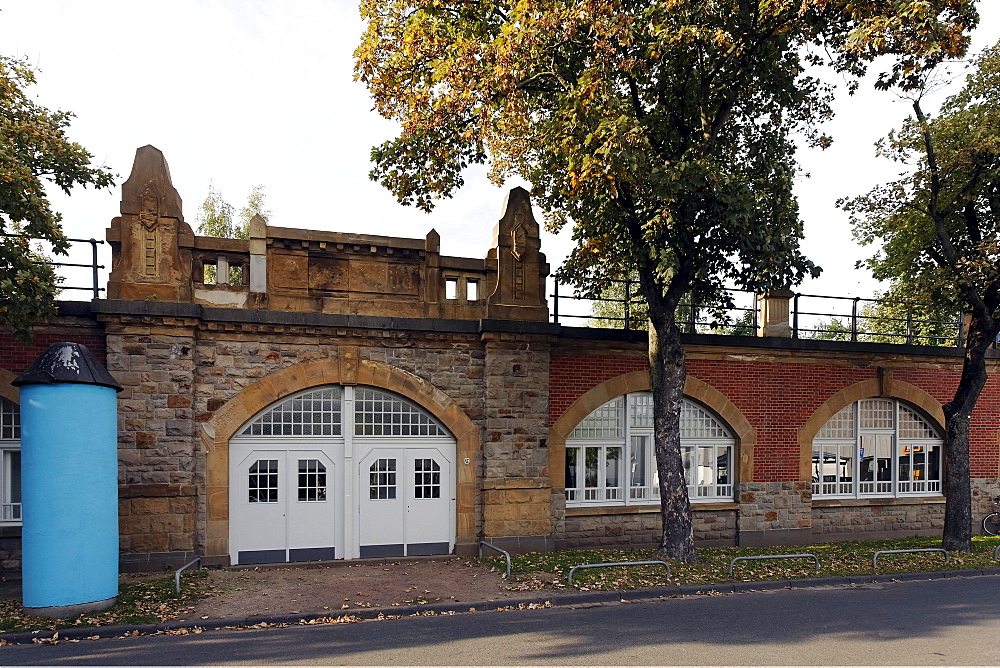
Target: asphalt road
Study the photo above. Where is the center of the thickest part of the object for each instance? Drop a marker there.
(937, 622)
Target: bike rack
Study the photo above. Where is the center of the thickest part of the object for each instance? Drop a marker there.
(774, 556)
(619, 563)
(505, 553)
(996, 551)
(177, 575)
(921, 549)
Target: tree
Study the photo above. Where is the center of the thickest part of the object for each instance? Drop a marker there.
(893, 317)
(939, 230)
(660, 129)
(216, 216)
(215, 219)
(34, 153)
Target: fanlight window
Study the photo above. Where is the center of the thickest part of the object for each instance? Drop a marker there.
(610, 458)
(313, 413)
(10, 420)
(876, 447)
(378, 413)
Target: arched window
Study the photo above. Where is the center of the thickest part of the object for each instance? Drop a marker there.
(876, 447)
(10, 463)
(312, 413)
(320, 412)
(610, 457)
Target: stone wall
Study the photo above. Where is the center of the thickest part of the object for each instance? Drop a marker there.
(775, 513)
(642, 527)
(877, 518)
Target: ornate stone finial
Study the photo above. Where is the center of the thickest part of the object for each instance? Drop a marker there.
(151, 176)
(150, 242)
(519, 281)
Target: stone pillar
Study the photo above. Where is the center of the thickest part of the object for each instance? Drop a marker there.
(159, 465)
(258, 262)
(150, 242)
(774, 314)
(517, 490)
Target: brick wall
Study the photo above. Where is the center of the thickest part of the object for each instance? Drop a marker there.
(778, 397)
(15, 356)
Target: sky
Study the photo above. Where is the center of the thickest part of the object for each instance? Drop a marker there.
(246, 92)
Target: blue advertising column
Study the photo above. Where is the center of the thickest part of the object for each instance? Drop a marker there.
(69, 483)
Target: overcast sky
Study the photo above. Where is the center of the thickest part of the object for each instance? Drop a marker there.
(261, 92)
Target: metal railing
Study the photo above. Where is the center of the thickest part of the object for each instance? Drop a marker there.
(505, 553)
(93, 265)
(774, 556)
(810, 316)
(177, 574)
(920, 549)
(618, 563)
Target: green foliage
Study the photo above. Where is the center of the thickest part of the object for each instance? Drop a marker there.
(217, 218)
(893, 319)
(938, 229)
(34, 153)
(836, 560)
(141, 600)
(662, 130)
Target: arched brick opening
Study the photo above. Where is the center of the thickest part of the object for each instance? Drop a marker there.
(8, 391)
(638, 381)
(347, 371)
(887, 387)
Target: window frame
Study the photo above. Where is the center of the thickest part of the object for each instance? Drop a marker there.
(10, 510)
(855, 487)
(626, 493)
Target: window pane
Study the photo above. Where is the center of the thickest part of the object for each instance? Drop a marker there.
(382, 479)
(841, 425)
(572, 457)
(641, 409)
(686, 460)
(312, 480)
(698, 423)
(637, 461)
(315, 413)
(10, 420)
(381, 414)
(612, 467)
(884, 454)
(14, 471)
(604, 422)
(591, 466)
(722, 466)
(875, 413)
(263, 481)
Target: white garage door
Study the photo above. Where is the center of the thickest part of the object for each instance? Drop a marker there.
(340, 473)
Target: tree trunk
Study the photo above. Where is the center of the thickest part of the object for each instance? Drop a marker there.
(957, 533)
(666, 374)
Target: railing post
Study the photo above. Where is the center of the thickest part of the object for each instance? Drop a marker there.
(756, 310)
(909, 324)
(93, 248)
(628, 300)
(795, 316)
(854, 319)
(691, 316)
(555, 301)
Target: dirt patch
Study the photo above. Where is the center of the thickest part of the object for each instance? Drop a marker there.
(277, 591)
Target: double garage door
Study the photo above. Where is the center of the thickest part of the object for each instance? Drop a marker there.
(342, 489)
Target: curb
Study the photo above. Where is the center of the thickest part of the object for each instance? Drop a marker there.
(564, 600)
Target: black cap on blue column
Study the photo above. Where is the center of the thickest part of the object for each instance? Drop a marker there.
(66, 363)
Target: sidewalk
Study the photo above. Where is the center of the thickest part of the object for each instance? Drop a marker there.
(258, 598)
